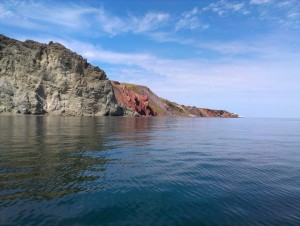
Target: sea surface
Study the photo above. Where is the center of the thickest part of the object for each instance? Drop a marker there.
(149, 171)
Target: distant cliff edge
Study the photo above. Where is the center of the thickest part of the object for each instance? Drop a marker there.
(38, 78)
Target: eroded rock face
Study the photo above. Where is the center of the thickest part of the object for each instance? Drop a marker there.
(40, 78)
(137, 102)
(131, 94)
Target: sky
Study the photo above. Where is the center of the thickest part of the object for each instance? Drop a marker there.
(241, 56)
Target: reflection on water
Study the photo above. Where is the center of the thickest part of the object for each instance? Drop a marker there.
(148, 171)
(49, 157)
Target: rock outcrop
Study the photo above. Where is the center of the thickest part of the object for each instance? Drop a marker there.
(40, 78)
(137, 102)
(141, 99)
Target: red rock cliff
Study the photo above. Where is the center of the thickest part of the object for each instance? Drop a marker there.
(143, 101)
(137, 102)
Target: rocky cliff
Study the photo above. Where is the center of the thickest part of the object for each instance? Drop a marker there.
(40, 78)
(139, 103)
(143, 101)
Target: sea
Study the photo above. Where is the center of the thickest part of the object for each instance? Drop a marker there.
(149, 171)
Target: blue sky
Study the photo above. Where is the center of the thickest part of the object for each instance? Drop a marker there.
(242, 56)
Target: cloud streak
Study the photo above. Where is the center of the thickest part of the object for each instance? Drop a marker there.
(259, 2)
(81, 17)
(76, 17)
(225, 7)
(190, 20)
(45, 16)
(114, 25)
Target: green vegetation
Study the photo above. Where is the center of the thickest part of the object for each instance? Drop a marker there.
(131, 87)
(135, 88)
(157, 109)
(174, 106)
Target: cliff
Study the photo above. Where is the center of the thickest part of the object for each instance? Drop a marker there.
(40, 78)
(143, 101)
(138, 103)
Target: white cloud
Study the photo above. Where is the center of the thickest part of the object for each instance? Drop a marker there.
(258, 47)
(76, 17)
(190, 20)
(259, 2)
(293, 15)
(111, 24)
(282, 14)
(223, 7)
(43, 16)
(115, 25)
(150, 21)
(4, 13)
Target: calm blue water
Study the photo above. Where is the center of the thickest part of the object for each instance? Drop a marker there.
(149, 171)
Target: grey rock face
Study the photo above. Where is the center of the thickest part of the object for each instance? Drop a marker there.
(40, 78)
